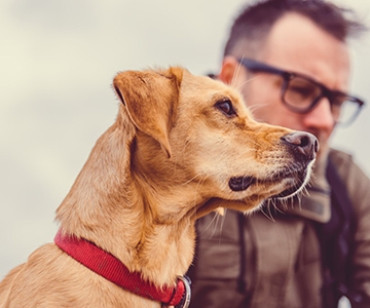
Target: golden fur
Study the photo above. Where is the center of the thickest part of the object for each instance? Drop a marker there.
(148, 178)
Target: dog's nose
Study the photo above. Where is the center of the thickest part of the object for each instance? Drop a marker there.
(303, 144)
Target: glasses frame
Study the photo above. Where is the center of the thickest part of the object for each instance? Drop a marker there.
(256, 66)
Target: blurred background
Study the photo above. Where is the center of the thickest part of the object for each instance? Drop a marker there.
(58, 59)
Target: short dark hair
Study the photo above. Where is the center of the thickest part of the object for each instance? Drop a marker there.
(256, 20)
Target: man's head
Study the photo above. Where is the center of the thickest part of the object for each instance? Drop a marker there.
(306, 37)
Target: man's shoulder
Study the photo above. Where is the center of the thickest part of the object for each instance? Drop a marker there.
(353, 177)
(343, 163)
(346, 166)
(339, 157)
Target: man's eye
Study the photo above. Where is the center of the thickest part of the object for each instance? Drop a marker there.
(226, 107)
(302, 91)
(338, 101)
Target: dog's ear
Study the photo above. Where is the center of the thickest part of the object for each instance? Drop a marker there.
(151, 99)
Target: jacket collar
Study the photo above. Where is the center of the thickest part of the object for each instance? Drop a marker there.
(314, 205)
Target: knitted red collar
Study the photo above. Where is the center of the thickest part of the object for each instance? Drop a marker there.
(108, 266)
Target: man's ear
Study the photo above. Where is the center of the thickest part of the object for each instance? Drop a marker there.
(229, 70)
(151, 99)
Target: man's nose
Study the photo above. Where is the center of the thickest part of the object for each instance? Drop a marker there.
(320, 117)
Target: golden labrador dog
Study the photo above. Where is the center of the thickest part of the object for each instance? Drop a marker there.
(180, 143)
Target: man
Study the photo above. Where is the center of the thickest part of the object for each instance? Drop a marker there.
(290, 61)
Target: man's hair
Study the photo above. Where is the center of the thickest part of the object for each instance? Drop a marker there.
(255, 22)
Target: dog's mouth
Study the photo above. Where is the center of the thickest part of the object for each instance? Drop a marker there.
(241, 183)
(290, 191)
(297, 174)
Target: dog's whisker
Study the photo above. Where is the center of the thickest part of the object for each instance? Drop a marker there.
(266, 211)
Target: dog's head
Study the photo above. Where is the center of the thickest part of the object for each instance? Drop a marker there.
(196, 137)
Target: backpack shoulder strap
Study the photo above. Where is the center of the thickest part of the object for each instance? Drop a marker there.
(336, 238)
(339, 195)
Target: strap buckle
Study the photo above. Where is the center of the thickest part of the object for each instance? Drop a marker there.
(185, 301)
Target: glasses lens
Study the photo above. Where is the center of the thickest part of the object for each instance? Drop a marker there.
(300, 93)
(345, 109)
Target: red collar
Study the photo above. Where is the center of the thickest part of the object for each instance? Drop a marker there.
(108, 266)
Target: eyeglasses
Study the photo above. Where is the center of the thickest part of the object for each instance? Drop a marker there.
(301, 94)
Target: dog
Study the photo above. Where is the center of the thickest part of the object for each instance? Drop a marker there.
(179, 146)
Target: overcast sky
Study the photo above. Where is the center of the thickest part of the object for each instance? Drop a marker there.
(58, 59)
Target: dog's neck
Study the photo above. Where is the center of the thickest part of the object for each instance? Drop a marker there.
(109, 207)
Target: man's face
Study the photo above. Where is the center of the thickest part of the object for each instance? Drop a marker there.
(296, 44)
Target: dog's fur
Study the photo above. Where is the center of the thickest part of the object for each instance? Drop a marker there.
(173, 147)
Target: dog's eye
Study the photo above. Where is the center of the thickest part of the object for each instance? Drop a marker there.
(226, 107)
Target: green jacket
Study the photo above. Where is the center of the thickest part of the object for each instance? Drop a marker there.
(272, 258)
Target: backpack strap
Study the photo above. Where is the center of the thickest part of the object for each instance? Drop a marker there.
(336, 239)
